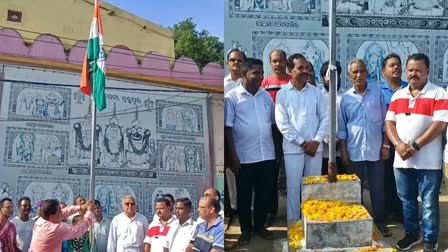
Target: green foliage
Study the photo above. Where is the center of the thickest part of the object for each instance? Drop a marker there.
(202, 47)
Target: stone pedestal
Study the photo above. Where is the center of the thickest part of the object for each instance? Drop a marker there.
(346, 191)
(338, 234)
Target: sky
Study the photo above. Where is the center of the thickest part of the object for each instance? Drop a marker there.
(207, 14)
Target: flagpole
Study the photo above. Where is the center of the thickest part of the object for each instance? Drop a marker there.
(92, 163)
(332, 168)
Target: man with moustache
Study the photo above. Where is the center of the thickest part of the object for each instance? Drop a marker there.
(231, 81)
(392, 73)
(416, 117)
(249, 122)
(24, 224)
(301, 114)
(273, 83)
(158, 231)
(361, 125)
(7, 229)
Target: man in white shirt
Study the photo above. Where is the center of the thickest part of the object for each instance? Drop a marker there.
(184, 227)
(301, 113)
(231, 81)
(100, 228)
(127, 230)
(249, 122)
(157, 234)
(24, 224)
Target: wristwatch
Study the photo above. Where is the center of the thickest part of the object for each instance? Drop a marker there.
(415, 146)
(386, 146)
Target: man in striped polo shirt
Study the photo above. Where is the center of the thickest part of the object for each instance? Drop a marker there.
(415, 120)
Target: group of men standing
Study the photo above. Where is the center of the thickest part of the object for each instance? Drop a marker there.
(389, 134)
(171, 230)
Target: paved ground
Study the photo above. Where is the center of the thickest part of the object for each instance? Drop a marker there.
(280, 230)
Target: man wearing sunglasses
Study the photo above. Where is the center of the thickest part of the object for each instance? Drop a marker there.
(127, 230)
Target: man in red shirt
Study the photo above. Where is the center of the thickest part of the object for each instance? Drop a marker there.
(273, 83)
(279, 77)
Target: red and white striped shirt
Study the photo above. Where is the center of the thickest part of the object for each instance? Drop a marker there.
(413, 116)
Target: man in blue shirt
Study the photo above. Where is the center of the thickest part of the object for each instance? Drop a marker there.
(209, 235)
(392, 72)
(361, 126)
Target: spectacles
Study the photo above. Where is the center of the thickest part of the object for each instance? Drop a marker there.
(129, 204)
(8, 207)
(235, 60)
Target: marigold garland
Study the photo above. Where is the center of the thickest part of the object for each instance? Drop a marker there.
(330, 211)
(324, 178)
(295, 235)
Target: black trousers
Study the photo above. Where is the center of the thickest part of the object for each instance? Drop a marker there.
(394, 205)
(257, 177)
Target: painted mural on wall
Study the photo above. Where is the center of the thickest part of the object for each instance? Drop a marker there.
(39, 188)
(46, 149)
(298, 9)
(110, 194)
(181, 158)
(440, 62)
(35, 148)
(179, 119)
(374, 48)
(39, 102)
(413, 14)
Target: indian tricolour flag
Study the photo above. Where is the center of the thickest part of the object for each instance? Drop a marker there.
(93, 77)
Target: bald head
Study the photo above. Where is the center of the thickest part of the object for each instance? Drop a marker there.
(213, 193)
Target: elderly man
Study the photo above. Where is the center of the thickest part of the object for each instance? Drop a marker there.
(392, 73)
(301, 114)
(361, 126)
(209, 235)
(184, 227)
(7, 229)
(127, 230)
(100, 227)
(24, 224)
(249, 124)
(49, 232)
(416, 118)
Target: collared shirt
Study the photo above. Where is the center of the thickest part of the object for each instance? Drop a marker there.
(24, 232)
(412, 117)
(179, 239)
(230, 84)
(361, 123)
(272, 84)
(301, 115)
(207, 238)
(326, 94)
(388, 91)
(48, 236)
(251, 118)
(127, 235)
(101, 231)
(157, 233)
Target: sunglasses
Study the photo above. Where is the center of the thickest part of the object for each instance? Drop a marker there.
(235, 60)
(129, 204)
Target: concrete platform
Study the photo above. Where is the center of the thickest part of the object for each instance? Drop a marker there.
(280, 229)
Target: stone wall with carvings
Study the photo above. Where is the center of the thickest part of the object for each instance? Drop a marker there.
(366, 29)
(150, 141)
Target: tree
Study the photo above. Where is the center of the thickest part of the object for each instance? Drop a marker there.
(202, 47)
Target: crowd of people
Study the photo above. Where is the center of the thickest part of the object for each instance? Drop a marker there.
(389, 134)
(61, 228)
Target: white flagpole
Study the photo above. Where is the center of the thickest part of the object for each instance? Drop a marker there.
(92, 162)
(332, 169)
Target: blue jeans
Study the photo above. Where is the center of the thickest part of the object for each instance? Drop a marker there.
(412, 182)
